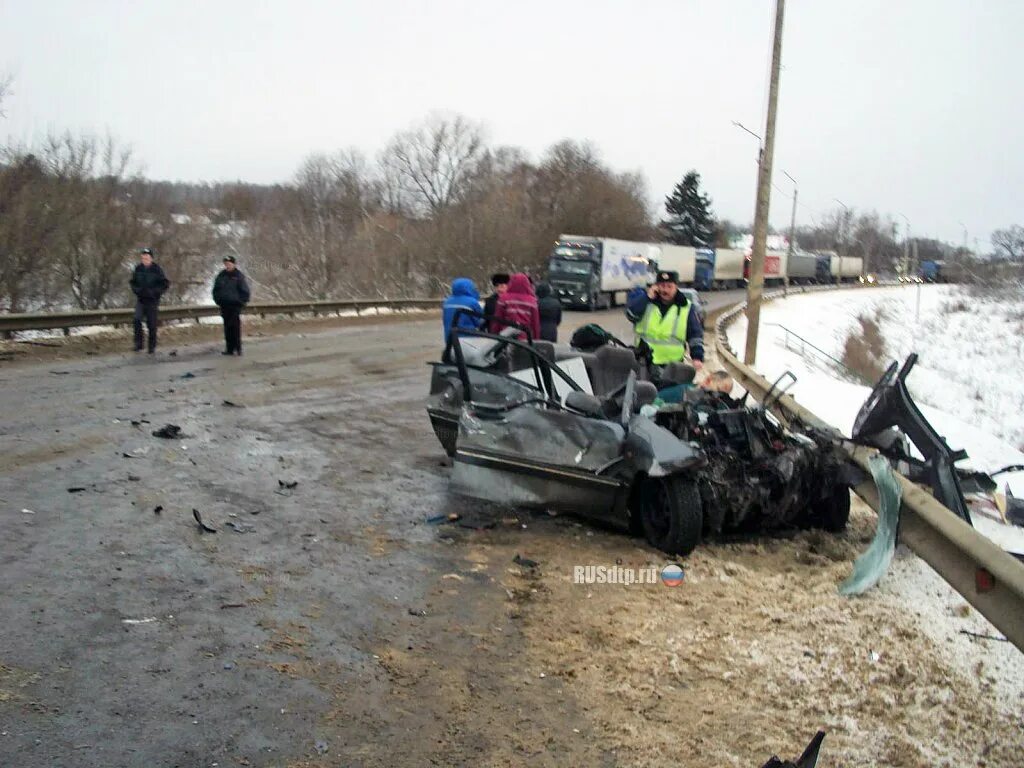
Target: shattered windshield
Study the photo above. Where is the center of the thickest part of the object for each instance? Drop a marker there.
(570, 267)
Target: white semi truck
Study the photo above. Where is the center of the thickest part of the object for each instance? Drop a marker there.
(597, 272)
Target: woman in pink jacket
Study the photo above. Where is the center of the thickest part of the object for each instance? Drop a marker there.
(517, 305)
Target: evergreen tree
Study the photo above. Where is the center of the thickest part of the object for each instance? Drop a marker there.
(690, 221)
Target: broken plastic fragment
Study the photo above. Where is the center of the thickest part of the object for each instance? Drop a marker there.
(872, 565)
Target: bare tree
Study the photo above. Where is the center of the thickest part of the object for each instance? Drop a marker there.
(1009, 243)
(6, 81)
(427, 169)
(310, 244)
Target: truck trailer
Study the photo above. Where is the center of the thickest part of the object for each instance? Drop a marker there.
(803, 268)
(719, 269)
(830, 263)
(680, 259)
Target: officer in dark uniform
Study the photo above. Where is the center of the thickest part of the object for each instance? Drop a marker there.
(231, 293)
(148, 283)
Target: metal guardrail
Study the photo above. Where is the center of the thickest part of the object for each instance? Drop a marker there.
(43, 321)
(987, 577)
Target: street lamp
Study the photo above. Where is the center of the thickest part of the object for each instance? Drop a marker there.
(743, 127)
(906, 248)
(792, 231)
(842, 235)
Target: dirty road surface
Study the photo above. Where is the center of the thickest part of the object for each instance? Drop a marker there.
(336, 617)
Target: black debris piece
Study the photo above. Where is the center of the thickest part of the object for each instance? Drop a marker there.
(139, 422)
(134, 478)
(158, 509)
(231, 404)
(168, 432)
(173, 353)
(60, 373)
(128, 456)
(202, 526)
(234, 605)
(76, 489)
(188, 375)
(417, 612)
(525, 561)
(287, 485)
(809, 758)
(437, 519)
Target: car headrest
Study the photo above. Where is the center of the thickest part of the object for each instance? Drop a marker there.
(678, 373)
(646, 394)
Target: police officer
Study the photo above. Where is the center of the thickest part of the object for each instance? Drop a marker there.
(148, 283)
(231, 293)
(667, 323)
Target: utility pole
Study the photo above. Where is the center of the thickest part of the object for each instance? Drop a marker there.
(906, 248)
(842, 237)
(792, 232)
(917, 269)
(755, 287)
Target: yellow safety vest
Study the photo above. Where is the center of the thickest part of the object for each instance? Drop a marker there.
(665, 334)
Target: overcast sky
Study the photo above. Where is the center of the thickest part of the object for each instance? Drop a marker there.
(911, 107)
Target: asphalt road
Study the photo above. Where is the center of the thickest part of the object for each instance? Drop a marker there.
(130, 637)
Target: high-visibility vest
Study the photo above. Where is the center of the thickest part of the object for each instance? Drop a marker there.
(665, 334)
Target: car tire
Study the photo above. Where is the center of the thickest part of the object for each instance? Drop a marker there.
(832, 512)
(670, 514)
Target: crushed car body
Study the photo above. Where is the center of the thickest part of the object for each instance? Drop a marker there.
(537, 425)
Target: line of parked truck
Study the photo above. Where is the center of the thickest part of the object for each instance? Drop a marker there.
(597, 272)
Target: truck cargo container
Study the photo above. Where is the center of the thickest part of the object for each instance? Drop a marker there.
(719, 268)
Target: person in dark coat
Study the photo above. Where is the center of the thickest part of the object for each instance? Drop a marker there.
(499, 284)
(464, 294)
(517, 305)
(231, 293)
(550, 309)
(148, 283)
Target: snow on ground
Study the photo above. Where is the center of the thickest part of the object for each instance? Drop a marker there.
(941, 337)
(968, 382)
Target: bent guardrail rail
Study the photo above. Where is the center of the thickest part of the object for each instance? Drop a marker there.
(44, 321)
(987, 577)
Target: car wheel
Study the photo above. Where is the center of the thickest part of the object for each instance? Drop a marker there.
(671, 514)
(833, 512)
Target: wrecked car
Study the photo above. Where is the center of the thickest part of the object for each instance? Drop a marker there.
(551, 427)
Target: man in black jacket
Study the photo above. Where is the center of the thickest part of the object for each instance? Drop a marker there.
(148, 284)
(550, 309)
(231, 293)
(499, 284)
